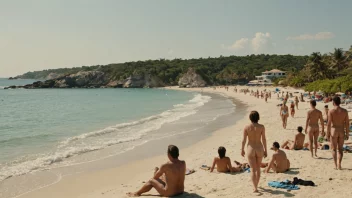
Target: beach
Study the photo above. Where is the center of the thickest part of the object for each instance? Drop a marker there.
(116, 182)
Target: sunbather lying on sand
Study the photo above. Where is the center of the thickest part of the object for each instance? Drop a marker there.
(223, 163)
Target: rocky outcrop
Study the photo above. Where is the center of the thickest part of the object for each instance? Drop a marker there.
(191, 79)
(52, 76)
(13, 78)
(95, 79)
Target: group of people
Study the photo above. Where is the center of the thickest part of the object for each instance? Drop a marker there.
(169, 179)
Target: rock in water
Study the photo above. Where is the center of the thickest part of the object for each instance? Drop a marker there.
(191, 79)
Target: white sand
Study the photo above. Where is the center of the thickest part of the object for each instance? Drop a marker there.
(112, 183)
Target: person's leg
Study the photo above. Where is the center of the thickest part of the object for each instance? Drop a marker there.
(146, 188)
(340, 148)
(333, 141)
(160, 187)
(316, 136)
(283, 145)
(259, 163)
(310, 133)
(283, 121)
(252, 160)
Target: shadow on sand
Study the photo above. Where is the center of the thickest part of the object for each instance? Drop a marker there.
(184, 195)
(277, 192)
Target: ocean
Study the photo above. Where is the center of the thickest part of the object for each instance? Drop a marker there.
(43, 129)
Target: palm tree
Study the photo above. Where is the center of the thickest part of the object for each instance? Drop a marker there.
(338, 59)
(316, 67)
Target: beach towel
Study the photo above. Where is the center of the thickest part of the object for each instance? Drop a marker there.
(302, 182)
(347, 148)
(325, 147)
(305, 149)
(285, 185)
(248, 170)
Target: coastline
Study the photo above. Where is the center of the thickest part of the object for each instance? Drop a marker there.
(117, 181)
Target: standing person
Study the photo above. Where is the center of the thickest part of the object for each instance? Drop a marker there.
(266, 97)
(292, 107)
(284, 114)
(313, 116)
(296, 102)
(338, 121)
(301, 98)
(256, 147)
(174, 171)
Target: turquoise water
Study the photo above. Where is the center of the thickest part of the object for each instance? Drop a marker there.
(43, 126)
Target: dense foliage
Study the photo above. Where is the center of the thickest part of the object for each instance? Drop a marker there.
(326, 72)
(221, 70)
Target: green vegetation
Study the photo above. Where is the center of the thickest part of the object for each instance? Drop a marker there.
(221, 70)
(326, 72)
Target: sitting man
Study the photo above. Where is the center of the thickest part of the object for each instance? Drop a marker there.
(297, 144)
(223, 163)
(279, 162)
(174, 172)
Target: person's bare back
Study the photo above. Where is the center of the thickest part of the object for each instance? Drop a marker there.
(255, 146)
(169, 179)
(312, 126)
(314, 116)
(299, 137)
(339, 117)
(174, 177)
(279, 162)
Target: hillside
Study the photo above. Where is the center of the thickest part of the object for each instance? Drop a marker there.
(221, 70)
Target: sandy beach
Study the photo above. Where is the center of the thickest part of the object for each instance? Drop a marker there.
(116, 182)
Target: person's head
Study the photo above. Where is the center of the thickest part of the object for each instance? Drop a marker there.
(326, 107)
(336, 101)
(300, 129)
(313, 103)
(276, 146)
(222, 152)
(254, 116)
(284, 102)
(172, 152)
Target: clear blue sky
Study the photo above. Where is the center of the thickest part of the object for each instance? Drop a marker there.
(42, 34)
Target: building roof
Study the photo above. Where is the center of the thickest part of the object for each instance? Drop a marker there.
(273, 71)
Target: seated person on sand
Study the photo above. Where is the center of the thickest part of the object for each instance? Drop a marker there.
(279, 162)
(174, 177)
(223, 163)
(297, 144)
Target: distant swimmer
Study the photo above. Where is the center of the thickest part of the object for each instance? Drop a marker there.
(223, 163)
(312, 126)
(338, 130)
(169, 179)
(279, 162)
(256, 147)
(298, 142)
(284, 114)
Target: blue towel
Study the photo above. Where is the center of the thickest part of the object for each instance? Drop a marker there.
(346, 148)
(284, 185)
(305, 149)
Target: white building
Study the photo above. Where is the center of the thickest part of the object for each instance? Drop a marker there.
(267, 76)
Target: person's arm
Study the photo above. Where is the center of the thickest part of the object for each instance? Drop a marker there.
(328, 130)
(322, 124)
(264, 143)
(244, 140)
(271, 163)
(347, 124)
(160, 172)
(213, 166)
(229, 165)
(294, 143)
(307, 121)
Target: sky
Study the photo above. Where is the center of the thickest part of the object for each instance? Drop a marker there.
(43, 34)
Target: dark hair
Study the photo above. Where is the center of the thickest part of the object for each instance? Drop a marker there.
(276, 145)
(337, 100)
(222, 152)
(254, 116)
(300, 129)
(313, 103)
(173, 151)
(326, 106)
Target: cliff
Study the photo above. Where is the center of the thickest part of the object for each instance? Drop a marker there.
(191, 79)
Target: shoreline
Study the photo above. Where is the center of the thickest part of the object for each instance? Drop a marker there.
(53, 175)
(117, 181)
